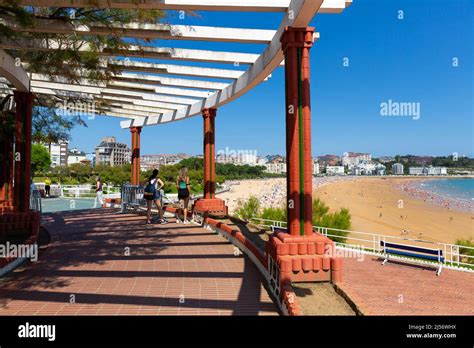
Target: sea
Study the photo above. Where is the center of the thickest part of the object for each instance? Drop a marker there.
(453, 188)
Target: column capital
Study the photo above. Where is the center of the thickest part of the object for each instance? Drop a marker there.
(135, 129)
(209, 112)
(297, 37)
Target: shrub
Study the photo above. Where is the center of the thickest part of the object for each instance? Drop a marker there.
(470, 252)
(249, 209)
(277, 214)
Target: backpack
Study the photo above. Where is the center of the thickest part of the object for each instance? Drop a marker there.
(150, 189)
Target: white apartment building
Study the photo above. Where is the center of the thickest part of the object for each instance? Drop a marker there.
(350, 159)
(397, 169)
(149, 162)
(416, 170)
(275, 168)
(335, 170)
(365, 168)
(239, 159)
(430, 170)
(58, 153)
(75, 156)
(316, 168)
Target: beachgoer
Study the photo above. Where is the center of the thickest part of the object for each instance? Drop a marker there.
(182, 185)
(152, 194)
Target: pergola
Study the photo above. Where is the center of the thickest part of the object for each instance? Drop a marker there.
(147, 93)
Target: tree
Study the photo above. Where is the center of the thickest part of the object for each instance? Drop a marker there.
(67, 58)
(40, 159)
(49, 126)
(73, 56)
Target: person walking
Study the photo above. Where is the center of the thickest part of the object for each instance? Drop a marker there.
(99, 192)
(47, 187)
(152, 194)
(182, 184)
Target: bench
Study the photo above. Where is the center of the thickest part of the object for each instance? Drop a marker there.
(414, 252)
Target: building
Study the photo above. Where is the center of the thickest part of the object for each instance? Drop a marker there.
(150, 162)
(350, 159)
(76, 156)
(275, 168)
(239, 157)
(365, 168)
(415, 170)
(328, 160)
(58, 153)
(397, 169)
(380, 169)
(261, 161)
(430, 170)
(335, 170)
(386, 159)
(111, 152)
(315, 167)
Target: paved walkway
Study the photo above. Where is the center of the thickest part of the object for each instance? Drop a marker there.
(170, 270)
(403, 289)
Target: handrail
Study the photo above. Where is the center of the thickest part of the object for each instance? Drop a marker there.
(456, 256)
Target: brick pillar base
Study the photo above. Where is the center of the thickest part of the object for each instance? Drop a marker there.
(210, 206)
(305, 258)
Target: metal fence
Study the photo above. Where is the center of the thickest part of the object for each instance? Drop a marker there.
(132, 197)
(35, 200)
(455, 256)
(80, 191)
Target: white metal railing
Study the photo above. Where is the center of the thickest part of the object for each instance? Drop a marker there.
(455, 256)
(80, 191)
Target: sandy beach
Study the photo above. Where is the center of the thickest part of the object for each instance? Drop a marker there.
(380, 205)
(383, 205)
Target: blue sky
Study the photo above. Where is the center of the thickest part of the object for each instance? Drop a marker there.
(403, 60)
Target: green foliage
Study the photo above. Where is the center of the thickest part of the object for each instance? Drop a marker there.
(470, 252)
(321, 216)
(79, 55)
(248, 209)
(276, 214)
(40, 159)
(70, 57)
(464, 162)
(49, 126)
(117, 175)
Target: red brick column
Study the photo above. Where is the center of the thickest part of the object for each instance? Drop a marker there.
(209, 204)
(22, 155)
(300, 253)
(135, 177)
(296, 43)
(6, 172)
(209, 116)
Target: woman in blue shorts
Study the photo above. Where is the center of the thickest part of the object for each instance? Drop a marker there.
(152, 194)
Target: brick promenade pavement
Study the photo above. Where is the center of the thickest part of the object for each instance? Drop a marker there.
(403, 289)
(171, 269)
